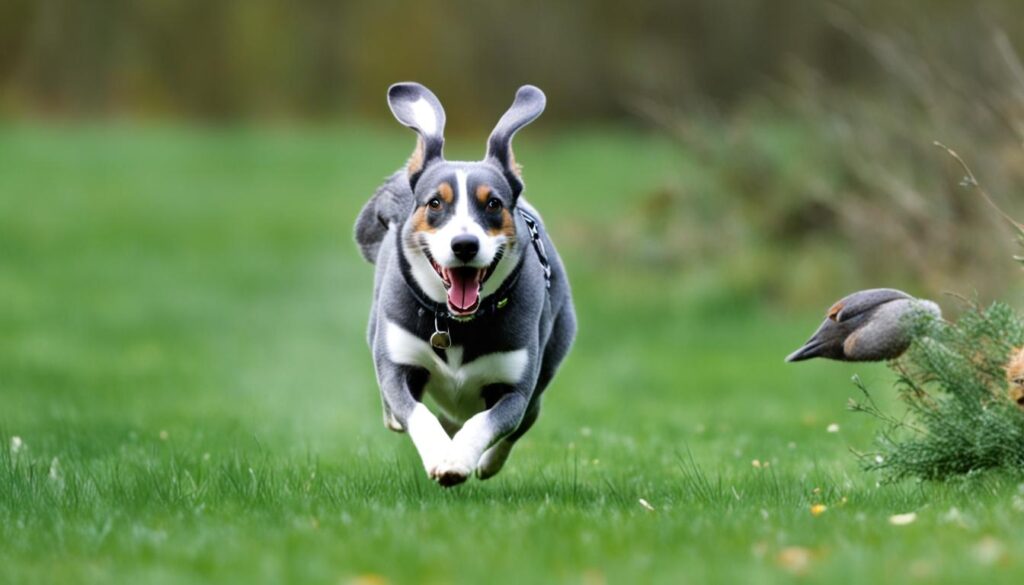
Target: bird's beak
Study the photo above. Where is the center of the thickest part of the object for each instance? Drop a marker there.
(809, 350)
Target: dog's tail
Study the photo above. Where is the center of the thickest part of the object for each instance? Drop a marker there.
(388, 207)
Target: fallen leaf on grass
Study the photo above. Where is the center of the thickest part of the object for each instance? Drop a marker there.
(903, 519)
(368, 579)
(988, 551)
(795, 559)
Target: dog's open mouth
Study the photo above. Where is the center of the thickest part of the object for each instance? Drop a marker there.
(463, 284)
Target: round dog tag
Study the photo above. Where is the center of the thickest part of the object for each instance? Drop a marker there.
(441, 340)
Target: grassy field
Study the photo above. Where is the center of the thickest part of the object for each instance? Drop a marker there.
(182, 359)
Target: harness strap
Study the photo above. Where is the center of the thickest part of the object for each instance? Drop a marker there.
(538, 244)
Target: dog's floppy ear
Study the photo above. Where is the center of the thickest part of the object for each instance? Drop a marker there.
(418, 108)
(529, 104)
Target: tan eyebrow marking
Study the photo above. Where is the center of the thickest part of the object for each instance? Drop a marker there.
(483, 192)
(446, 192)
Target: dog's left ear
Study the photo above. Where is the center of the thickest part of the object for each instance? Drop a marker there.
(529, 104)
(418, 108)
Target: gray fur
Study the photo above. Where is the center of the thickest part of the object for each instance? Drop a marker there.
(403, 99)
(529, 104)
(537, 321)
(391, 204)
(868, 325)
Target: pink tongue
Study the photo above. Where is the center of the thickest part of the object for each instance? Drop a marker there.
(464, 290)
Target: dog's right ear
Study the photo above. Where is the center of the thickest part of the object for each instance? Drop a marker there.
(418, 108)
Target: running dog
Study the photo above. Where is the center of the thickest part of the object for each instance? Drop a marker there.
(471, 304)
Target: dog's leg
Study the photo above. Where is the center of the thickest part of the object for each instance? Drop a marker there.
(426, 432)
(478, 435)
(390, 421)
(430, 440)
(403, 364)
(494, 458)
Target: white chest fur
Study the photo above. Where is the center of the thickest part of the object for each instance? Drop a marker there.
(455, 386)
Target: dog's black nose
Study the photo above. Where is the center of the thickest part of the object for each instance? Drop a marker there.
(465, 247)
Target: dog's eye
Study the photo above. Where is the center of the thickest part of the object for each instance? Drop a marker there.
(493, 204)
(434, 203)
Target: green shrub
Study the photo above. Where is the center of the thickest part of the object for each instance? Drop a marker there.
(959, 418)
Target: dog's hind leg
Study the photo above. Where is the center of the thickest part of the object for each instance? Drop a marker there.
(562, 335)
(494, 458)
(390, 420)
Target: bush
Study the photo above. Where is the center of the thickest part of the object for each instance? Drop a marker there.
(960, 417)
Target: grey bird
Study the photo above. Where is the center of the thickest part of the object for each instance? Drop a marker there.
(866, 326)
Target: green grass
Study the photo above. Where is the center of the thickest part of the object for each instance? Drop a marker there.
(182, 353)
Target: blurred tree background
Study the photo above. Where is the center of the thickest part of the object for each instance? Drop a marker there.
(315, 59)
(804, 128)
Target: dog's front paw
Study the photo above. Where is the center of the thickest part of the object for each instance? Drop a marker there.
(452, 471)
(450, 475)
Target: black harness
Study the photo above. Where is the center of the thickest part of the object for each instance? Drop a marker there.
(441, 338)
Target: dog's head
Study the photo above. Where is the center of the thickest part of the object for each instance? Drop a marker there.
(460, 237)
